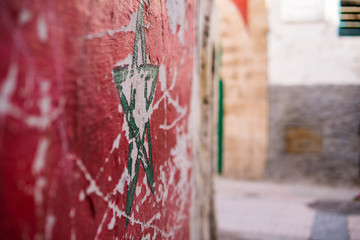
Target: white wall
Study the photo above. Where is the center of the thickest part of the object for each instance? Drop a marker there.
(311, 53)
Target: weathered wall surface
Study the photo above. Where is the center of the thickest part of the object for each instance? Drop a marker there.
(317, 143)
(244, 72)
(203, 213)
(314, 103)
(95, 139)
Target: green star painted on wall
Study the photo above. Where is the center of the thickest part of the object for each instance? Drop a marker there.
(136, 84)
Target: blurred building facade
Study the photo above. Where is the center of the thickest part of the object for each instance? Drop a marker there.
(314, 86)
(287, 55)
(243, 30)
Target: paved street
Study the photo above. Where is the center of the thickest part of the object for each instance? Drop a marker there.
(272, 211)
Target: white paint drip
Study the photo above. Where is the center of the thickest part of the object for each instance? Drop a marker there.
(116, 143)
(39, 161)
(8, 88)
(112, 222)
(49, 226)
(99, 229)
(45, 101)
(40, 184)
(174, 79)
(42, 28)
(73, 234)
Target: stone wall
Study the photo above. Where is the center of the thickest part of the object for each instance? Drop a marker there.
(314, 79)
(99, 121)
(244, 72)
(313, 133)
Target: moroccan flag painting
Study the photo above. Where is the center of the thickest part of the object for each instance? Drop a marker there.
(95, 103)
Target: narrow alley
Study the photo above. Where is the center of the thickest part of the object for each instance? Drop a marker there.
(284, 211)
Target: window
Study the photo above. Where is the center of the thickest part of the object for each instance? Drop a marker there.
(349, 18)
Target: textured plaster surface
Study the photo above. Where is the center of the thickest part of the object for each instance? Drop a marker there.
(64, 136)
(333, 112)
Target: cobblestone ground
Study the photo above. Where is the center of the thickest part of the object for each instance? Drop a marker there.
(272, 211)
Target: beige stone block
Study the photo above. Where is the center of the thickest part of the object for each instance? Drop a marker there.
(244, 72)
(246, 90)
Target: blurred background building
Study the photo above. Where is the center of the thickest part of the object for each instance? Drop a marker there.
(291, 90)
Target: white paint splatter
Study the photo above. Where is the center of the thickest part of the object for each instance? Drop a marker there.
(24, 17)
(126, 28)
(125, 178)
(126, 61)
(40, 184)
(174, 79)
(162, 77)
(39, 161)
(147, 26)
(45, 119)
(109, 178)
(116, 143)
(125, 128)
(42, 28)
(112, 222)
(114, 207)
(92, 188)
(73, 234)
(81, 196)
(138, 190)
(176, 10)
(49, 226)
(45, 101)
(72, 213)
(147, 237)
(8, 88)
(147, 190)
(99, 229)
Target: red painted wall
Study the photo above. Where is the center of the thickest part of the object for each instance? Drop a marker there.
(242, 7)
(67, 170)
